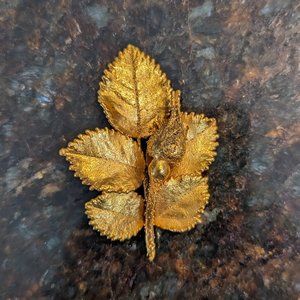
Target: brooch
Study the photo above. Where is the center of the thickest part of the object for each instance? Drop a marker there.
(153, 145)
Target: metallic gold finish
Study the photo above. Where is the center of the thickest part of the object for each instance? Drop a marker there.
(134, 93)
(139, 102)
(169, 141)
(106, 160)
(119, 216)
(149, 216)
(159, 169)
(180, 202)
(201, 142)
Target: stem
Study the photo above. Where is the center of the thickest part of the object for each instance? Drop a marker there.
(149, 226)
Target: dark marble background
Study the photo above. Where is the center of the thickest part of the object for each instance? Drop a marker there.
(234, 60)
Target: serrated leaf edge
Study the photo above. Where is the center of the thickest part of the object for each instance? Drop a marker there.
(106, 233)
(198, 218)
(73, 166)
(111, 66)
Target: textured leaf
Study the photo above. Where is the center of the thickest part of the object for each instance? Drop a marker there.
(134, 93)
(168, 142)
(106, 160)
(180, 202)
(201, 143)
(119, 216)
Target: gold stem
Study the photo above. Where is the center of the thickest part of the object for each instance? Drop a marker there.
(149, 227)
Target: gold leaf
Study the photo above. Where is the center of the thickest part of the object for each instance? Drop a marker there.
(106, 160)
(134, 93)
(119, 216)
(201, 142)
(179, 203)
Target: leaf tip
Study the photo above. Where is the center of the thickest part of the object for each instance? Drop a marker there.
(132, 47)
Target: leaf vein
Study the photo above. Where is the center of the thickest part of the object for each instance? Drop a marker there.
(105, 158)
(136, 92)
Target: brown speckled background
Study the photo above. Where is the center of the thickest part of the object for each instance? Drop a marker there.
(234, 60)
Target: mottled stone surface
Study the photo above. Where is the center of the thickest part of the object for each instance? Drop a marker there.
(234, 60)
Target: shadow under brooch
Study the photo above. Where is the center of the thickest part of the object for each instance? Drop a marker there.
(139, 103)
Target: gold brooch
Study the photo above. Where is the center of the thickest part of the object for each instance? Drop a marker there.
(139, 103)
